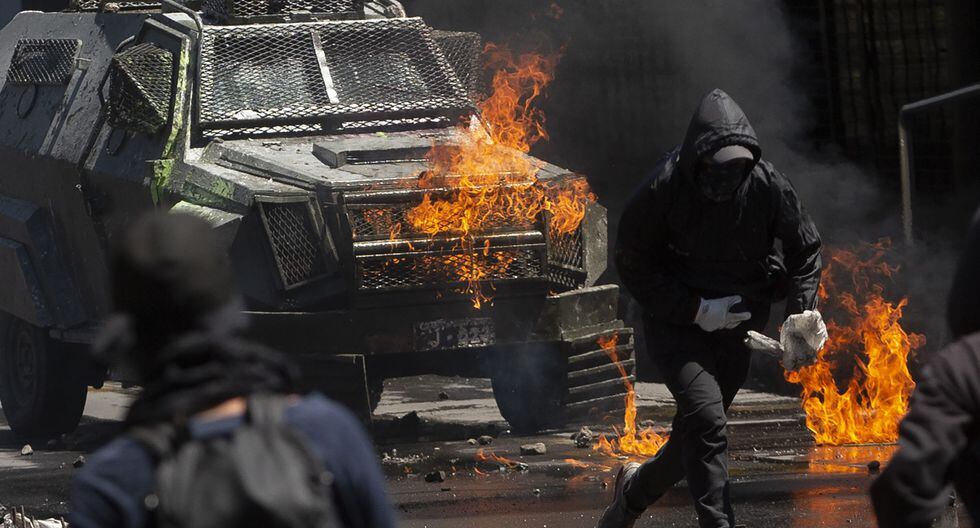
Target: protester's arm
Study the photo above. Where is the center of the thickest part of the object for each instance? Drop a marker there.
(641, 250)
(801, 247)
(914, 488)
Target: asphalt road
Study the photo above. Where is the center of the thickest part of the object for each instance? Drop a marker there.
(779, 478)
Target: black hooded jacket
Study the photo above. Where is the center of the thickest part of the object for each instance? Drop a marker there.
(676, 246)
(939, 442)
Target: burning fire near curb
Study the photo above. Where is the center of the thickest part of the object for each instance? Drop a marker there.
(865, 331)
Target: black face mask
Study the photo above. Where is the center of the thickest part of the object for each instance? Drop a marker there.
(720, 181)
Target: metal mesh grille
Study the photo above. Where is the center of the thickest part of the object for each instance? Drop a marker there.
(379, 273)
(233, 10)
(295, 245)
(140, 88)
(386, 222)
(566, 260)
(464, 51)
(43, 61)
(326, 74)
(92, 5)
(345, 127)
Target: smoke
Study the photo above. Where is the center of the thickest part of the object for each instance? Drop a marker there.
(749, 49)
(632, 74)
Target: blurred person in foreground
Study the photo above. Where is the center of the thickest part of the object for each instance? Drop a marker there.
(217, 436)
(939, 439)
(706, 245)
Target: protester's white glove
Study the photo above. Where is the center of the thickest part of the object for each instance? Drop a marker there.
(715, 314)
(802, 336)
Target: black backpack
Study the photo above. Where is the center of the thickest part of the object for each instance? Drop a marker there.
(262, 474)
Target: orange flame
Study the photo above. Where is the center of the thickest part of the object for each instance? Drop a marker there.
(492, 180)
(505, 463)
(630, 441)
(863, 325)
(578, 464)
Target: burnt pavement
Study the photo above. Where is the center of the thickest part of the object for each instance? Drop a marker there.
(449, 458)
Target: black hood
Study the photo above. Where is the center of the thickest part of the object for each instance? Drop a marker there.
(963, 310)
(718, 122)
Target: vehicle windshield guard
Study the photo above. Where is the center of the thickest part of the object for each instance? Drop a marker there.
(325, 77)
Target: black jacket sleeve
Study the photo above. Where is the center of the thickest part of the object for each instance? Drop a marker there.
(640, 253)
(914, 488)
(801, 247)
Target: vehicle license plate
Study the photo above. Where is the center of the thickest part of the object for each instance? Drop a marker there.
(454, 333)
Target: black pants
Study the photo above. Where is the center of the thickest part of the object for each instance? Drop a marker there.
(703, 371)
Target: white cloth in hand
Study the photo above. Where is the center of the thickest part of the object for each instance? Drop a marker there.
(715, 314)
(802, 336)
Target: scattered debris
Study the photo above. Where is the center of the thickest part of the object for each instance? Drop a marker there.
(471, 441)
(485, 440)
(874, 467)
(27, 450)
(79, 462)
(19, 519)
(443, 396)
(584, 437)
(395, 460)
(436, 476)
(534, 449)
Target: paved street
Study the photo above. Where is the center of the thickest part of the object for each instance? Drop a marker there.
(781, 479)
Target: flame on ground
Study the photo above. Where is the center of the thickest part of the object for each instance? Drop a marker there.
(629, 441)
(578, 464)
(502, 462)
(865, 326)
(492, 181)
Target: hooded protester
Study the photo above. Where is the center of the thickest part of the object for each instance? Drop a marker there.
(177, 327)
(697, 249)
(939, 439)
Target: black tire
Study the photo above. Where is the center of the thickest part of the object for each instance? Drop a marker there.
(41, 389)
(529, 387)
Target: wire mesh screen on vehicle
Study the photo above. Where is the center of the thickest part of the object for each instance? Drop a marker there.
(566, 260)
(330, 74)
(464, 51)
(43, 61)
(92, 5)
(296, 246)
(140, 88)
(426, 269)
(244, 10)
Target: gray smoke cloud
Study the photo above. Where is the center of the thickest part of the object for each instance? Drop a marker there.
(748, 49)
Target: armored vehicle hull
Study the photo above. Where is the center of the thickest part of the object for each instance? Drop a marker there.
(303, 143)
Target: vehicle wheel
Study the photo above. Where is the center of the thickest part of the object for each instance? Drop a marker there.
(41, 390)
(546, 386)
(529, 386)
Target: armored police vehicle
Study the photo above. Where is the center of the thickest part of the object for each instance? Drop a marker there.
(292, 126)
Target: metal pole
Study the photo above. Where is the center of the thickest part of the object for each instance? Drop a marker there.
(906, 150)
